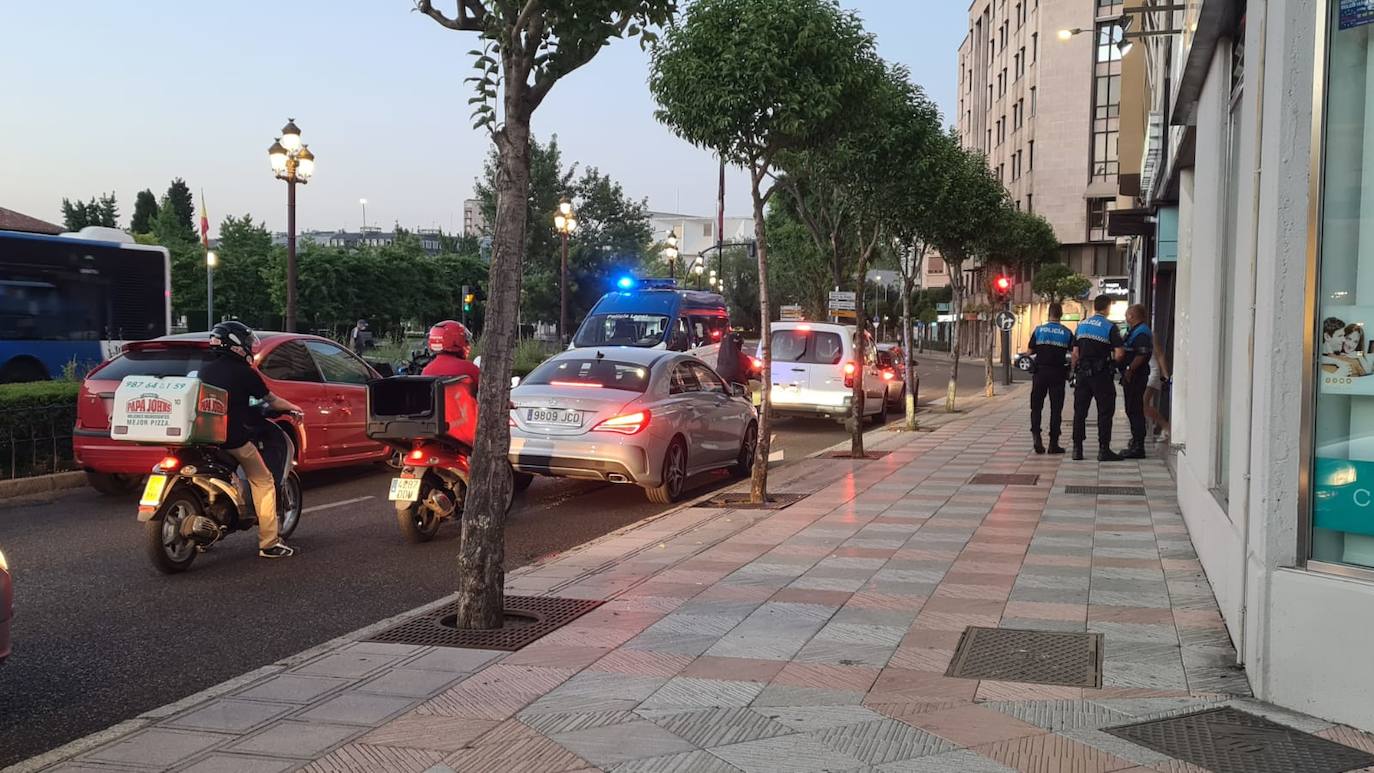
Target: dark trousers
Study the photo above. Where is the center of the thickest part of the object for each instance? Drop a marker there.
(1134, 391)
(1087, 389)
(1048, 383)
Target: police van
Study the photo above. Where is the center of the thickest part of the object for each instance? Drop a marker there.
(656, 314)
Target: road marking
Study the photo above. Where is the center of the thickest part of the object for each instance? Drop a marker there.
(353, 501)
(776, 456)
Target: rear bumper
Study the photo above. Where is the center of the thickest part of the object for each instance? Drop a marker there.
(95, 451)
(810, 403)
(582, 460)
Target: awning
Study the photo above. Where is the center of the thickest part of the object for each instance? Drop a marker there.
(1130, 222)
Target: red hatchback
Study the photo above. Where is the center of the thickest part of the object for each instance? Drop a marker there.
(326, 380)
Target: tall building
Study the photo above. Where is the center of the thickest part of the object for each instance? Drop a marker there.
(1045, 110)
(474, 222)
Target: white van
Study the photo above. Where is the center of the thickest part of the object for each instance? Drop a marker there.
(814, 368)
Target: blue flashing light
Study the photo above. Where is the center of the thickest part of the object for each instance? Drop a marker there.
(625, 283)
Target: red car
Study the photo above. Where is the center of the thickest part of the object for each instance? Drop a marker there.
(325, 379)
(6, 608)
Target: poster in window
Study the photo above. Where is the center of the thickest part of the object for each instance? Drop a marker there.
(1356, 13)
(1346, 350)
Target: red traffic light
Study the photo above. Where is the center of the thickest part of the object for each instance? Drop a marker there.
(1002, 283)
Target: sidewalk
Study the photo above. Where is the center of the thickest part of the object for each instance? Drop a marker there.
(814, 638)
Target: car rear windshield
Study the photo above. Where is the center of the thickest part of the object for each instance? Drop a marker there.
(157, 362)
(622, 330)
(590, 372)
(813, 346)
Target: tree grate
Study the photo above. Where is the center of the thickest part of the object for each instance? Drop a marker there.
(1227, 740)
(1004, 479)
(741, 502)
(1107, 491)
(1036, 657)
(867, 457)
(528, 618)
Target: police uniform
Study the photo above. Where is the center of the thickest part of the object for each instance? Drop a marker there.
(1139, 343)
(1096, 339)
(1050, 343)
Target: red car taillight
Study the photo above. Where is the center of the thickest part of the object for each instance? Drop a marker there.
(888, 375)
(626, 424)
(849, 369)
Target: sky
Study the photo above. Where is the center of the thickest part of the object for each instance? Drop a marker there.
(103, 96)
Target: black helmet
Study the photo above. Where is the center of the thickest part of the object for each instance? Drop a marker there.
(233, 336)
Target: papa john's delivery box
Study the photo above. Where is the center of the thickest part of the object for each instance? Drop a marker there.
(172, 410)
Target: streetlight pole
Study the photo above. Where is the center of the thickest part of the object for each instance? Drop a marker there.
(566, 223)
(671, 253)
(363, 202)
(210, 260)
(292, 162)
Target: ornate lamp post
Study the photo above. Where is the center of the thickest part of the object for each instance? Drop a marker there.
(565, 220)
(211, 260)
(670, 252)
(293, 163)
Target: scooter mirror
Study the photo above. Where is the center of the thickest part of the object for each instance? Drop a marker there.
(477, 361)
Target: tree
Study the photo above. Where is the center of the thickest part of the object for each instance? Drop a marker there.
(145, 213)
(750, 80)
(175, 215)
(1019, 240)
(103, 211)
(244, 271)
(1056, 283)
(527, 47)
(107, 211)
(74, 215)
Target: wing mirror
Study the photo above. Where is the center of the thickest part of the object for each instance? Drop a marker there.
(738, 390)
(514, 381)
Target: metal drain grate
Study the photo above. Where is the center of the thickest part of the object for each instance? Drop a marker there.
(1037, 657)
(527, 618)
(741, 502)
(867, 457)
(1227, 740)
(1004, 479)
(1107, 491)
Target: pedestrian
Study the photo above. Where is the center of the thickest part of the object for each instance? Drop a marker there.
(1139, 347)
(1050, 343)
(1097, 347)
(358, 337)
(1154, 395)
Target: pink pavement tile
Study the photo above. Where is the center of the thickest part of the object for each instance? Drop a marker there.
(733, 669)
(988, 550)
(973, 725)
(924, 554)
(1349, 736)
(827, 677)
(863, 553)
(828, 598)
(555, 656)
(932, 638)
(1041, 559)
(1106, 614)
(939, 603)
(893, 519)
(1127, 563)
(1172, 565)
(900, 685)
(1050, 752)
(735, 593)
(670, 589)
(1043, 610)
(888, 601)
(955, 621)
(1007, 566)
(1197, 618)
(964, 577)
(1067, 527)
(990, 690)
(985, 592)
(922, 659)
(1132, 692)
(642, 663)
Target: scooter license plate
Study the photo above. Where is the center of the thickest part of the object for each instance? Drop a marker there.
(404, 489)
(152, 491)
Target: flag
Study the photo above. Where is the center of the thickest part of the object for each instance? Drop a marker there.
(204, 223)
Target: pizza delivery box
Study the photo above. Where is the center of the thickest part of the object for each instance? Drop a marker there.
(171, 410)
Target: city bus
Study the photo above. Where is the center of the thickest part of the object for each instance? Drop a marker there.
(73, 300)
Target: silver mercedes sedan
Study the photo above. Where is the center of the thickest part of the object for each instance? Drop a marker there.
(622, 414)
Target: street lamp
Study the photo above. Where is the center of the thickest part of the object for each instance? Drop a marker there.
(363, 202)
(670, 252)
(565, 220)
(292, 162)
(211, 260)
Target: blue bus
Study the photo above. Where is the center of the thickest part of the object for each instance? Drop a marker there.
(76, 299)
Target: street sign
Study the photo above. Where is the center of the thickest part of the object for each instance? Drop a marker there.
(792, 313)
(845, 313)
(841, 301)
(1005, 321)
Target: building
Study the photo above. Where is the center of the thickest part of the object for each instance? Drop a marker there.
(1255, 147)
(1019, 81)
(474, 222)
(11, 220)
(697, 234)
(431, 239)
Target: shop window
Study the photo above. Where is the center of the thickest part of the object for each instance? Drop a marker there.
(1228, 302)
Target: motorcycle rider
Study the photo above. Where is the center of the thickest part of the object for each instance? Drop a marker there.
(231, 370)
(448, 340)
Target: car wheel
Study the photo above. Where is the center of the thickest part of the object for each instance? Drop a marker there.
(674, 476)
(112, 484)
(744, 465)
(523, 481)
(171, 552)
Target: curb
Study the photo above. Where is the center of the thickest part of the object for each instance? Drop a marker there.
(41, 484)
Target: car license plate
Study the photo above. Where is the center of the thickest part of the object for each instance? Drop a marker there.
(554, 416)
(152, 491)
(404, 489)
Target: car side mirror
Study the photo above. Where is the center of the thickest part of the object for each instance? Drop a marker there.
(738, 390)
(514, 381)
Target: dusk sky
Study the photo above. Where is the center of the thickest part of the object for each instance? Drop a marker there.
(104, 96)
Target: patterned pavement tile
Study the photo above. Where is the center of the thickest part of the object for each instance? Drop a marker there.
(687, 762)
(787, 754)
(559, 656)
(605, 746)
(808, 718)
(882, 741)
(721, 726)
(972, 725)
(364, 758)
(991, 690)
(551, 724)
(962, 761)
(733, 669)
(415, 731)
(706, 693)
(827, 677)
(898, 685)
(515, 748)
(642, 662)
(1061, 714)
(1050, 753)
(597, 691)
(787, 695)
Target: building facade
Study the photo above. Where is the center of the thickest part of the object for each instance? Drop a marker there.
(474, 222)
(431, 239)
(1256, 148)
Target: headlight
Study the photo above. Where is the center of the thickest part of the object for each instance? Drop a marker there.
(4, 565)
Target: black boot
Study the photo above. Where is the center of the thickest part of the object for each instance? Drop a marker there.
(1077, 451)
(1055, 448)
(1039, 443)
(1106, 454)
(1134, 451)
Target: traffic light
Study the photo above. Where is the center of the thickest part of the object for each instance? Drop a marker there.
(468, 298)
(1002, 285)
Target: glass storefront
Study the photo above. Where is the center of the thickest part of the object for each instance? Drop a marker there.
(1342, 482)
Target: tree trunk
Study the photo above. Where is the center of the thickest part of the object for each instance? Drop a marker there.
(481, 557)
(758, 489)
(856, 413)
(913, 385)
(987, 355)
(956, 305)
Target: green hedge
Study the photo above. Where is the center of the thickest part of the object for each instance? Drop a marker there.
(36, 423)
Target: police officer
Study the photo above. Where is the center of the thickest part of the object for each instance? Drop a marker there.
(1097, 348)
(1135, 372)
(1050, 343)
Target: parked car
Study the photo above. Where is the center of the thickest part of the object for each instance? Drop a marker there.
(1026, 362)
(626, 415)
(322, 377)
(814, 367)
(655, 314)
(892, 366)
(6, 607)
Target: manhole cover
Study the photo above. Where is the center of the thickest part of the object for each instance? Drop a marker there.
(1038, 657)
(741, 502)
(1107, 491)
(1227, 740)
(1004, 479)
(868, 455)
(527, 619)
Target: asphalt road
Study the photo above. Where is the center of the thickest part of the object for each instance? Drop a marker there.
(100, 636)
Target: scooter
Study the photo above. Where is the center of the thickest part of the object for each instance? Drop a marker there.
(198, 495)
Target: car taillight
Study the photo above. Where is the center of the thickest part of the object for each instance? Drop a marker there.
(758, 364)
(169, 463)
(418, 455)
(888, 375)
(849, 369)
(626, 424)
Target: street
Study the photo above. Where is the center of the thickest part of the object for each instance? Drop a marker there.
(100, 636)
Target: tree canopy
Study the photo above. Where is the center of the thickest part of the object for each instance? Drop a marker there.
(102, 211)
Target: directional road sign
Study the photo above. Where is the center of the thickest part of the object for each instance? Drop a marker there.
(1005, 321)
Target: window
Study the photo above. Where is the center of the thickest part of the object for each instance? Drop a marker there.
(706, 330)
(1030, 202)
(1228, 301)
(1030, 155)
(708, 229)
(1106, 102)
(935, 265)
(1021, 63)
(1016, 169)
(818, 346)
(590, 372)
(684, 380)
(1019, 19)
(1035, 46)
(1016, 70)
(338, 366)
(622, 330)
(179, 361)
(1097, 218)
(1107, 260)
(1032, 98)
(708, 379)
(1109, 7)
(290, 362)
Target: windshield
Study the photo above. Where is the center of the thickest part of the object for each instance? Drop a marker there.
(644, 330)
(158, 362)
(591, 372)
(818, 347)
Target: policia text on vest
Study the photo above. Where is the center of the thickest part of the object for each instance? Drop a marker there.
(1050, 344)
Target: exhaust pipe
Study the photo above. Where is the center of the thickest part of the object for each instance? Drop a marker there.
(616, 477)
